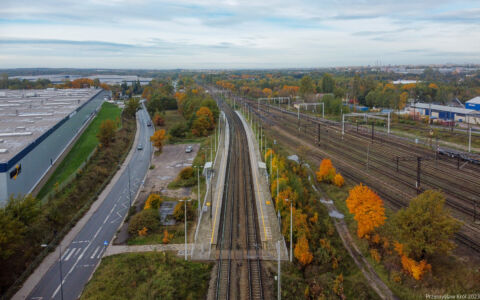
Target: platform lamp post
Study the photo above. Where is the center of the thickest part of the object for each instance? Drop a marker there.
(59, 261)
(291, 228)
(185, 201)
(198, 188)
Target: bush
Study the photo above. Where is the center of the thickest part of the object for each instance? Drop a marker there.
(186, 173)
(179, 211)
(179, 130)
(145, 219)
(153, 202)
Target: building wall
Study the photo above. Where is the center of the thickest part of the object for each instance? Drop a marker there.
(3, 187)
(36, 163)
(474, 106)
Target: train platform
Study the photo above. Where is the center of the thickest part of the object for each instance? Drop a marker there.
(206, 232)
(269, 227)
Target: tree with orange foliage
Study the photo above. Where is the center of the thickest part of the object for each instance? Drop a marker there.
(166, 237)
(158, 120)
(326, 171)
(302, 251)
(157, 139)
(367, 208)
(143, 231)
(338, 180)
(411, 266)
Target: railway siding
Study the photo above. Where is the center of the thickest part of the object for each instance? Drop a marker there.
(268, 223)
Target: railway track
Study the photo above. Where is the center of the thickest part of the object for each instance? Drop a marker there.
(239, 268)
(394, 187)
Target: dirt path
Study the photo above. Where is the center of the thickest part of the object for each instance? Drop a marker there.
(372, 277)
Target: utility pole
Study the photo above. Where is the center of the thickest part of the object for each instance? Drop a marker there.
(291, 230)
(373, 128)
(469, 139)
(278, 273)
(368, 156)
(318, 133)
(198, 189)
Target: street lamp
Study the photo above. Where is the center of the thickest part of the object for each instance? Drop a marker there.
(185, 201)
(60, 264)
(291, 227)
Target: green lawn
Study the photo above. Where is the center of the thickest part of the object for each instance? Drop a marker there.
(82, 148)
(153, 275)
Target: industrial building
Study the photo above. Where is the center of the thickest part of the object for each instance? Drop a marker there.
(36, 126)
(473, 104)
(446, 113)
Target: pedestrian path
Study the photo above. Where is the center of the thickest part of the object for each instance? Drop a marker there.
(178, 248)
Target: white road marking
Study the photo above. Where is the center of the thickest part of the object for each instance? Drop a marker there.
(65, 253)
(70, 254)
(81, 255)
(100, 253)
(78, 251)
(94, 252)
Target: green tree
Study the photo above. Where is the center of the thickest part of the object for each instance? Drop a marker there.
(307, 87)
(131, 107)
(328, 83)
(425, 227)
(4, 81)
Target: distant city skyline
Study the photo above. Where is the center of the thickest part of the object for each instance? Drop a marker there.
(194, 34)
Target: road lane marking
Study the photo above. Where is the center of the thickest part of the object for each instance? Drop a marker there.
(101, 252)
(94, 252)
(81, 255)
(78, 251)
(70, 254)
(65, 253)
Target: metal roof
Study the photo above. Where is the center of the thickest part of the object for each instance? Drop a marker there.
(475, 100)
(26, 116)
(457, 110)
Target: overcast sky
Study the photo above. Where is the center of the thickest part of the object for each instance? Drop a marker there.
(236, 33)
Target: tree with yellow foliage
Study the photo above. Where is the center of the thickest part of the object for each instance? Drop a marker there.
(302, 251)
(326, 171)
(153, 201)
(267, 92)
(338, 180)
(157, 139)
(367, 208)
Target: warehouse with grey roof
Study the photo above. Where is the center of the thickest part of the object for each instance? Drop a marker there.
(36, 126)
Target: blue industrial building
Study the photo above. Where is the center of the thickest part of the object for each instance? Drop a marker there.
(35, 129)
(473, 104)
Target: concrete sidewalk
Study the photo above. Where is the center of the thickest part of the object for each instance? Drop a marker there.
(52, 258)
(267, 218)
(209, 219)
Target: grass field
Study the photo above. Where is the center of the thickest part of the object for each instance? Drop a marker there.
(154, 275)
(82, 148)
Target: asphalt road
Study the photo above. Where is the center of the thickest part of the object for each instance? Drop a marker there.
(80, 258)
